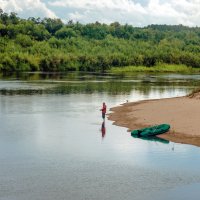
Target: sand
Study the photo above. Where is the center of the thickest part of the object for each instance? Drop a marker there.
(182, 113)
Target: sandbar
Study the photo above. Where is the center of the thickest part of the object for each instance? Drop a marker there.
(182, 113)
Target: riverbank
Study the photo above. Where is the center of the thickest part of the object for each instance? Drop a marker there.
(182, 113)
(158, 68)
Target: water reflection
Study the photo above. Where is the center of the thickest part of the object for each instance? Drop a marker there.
(152, 139)
(72, 84)
(103, 129)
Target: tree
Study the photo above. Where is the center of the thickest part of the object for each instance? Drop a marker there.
(24, 40)
(13, 18)
(52, 25)
(65, 33)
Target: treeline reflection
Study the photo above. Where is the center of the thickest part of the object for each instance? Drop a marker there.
(109, 87)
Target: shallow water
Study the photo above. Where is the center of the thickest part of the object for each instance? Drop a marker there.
(52, 147)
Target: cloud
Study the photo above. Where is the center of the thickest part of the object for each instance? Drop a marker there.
(27, 8)
(135, 12)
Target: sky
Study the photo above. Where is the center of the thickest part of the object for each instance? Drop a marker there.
(138, 13)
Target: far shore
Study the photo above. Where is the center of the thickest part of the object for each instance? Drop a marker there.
(182, 113)
(161, 67)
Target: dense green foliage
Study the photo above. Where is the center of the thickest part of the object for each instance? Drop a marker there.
(50, 45)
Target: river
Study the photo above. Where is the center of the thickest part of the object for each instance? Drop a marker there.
(52, 146)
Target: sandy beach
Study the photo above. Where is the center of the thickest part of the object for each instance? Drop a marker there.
(182, 113)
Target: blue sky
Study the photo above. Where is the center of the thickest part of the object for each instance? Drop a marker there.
(134, 12)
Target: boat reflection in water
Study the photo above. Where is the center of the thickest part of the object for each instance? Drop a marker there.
(153, 139)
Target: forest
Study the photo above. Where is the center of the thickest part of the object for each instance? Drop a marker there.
(36, 44)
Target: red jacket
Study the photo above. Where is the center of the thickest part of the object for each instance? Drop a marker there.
(103, 109)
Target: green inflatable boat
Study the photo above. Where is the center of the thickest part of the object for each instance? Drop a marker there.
(151, 131)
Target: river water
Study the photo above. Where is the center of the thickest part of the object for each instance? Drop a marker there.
(52, 146)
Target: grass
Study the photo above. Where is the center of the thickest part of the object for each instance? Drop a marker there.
(157, 68)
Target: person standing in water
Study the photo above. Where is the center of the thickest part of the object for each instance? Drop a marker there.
(103, 110)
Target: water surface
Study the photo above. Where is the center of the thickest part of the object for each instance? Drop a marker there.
(52, 147)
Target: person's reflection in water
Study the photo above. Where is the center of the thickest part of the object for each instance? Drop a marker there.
(103, 129)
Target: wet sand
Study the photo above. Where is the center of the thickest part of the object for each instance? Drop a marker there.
(182, 113)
